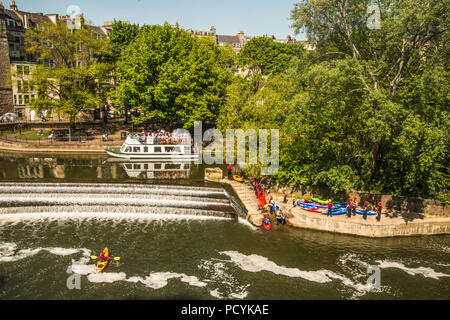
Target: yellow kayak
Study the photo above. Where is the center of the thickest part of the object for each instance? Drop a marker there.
(101, 265)
(237, 178)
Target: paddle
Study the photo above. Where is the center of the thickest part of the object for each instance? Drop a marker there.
(114, 258)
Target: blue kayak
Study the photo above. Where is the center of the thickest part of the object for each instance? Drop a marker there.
(336, 212)
(369, 213)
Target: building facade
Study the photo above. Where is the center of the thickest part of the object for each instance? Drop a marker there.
(16, 65)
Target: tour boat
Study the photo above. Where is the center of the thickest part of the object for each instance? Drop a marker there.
(137, 147)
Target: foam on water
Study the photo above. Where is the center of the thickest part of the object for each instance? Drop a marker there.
(256, 263)
(424, 271)
(124, 216)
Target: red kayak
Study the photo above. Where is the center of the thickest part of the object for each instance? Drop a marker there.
(313, 210)
(267, 226)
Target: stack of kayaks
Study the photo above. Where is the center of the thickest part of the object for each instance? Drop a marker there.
(237, 178)
(318, 207)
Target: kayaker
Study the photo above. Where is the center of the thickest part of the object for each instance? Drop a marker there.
(349, 208)
(285, 195)
(354, 204)
(330, 208)
(366, 208)
(379, 209)
(294, 203)
(229, 169)
(103, 257)
(267, 220)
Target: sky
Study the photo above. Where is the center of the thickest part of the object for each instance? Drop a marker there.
(254, 17)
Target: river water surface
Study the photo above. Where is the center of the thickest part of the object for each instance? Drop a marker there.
(180, 238)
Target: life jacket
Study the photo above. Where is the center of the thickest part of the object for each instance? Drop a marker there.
(330, 205)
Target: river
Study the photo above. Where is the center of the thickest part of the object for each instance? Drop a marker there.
(181, 238)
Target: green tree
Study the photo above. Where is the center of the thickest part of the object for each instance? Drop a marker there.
(264, 56)
(168, 73)
(70, 76)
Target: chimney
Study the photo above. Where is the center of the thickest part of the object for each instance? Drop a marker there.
(13, 6)
(26, 21)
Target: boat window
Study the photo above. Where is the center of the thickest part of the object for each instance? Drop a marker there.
(171, 166)
(158, 149)
(129, 166)
(128, 149)
(146, 166)
(145, 149)
(158, 166)
(137, 167)
(137, 149)
(169, 149)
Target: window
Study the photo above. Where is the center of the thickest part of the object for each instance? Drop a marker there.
(158, 149)
(137, 167)
(129, 166)
(146, 166)
(26, 99)
(158, 166)
(146, 149)
(26, 70)
(128, 149)
(137, 149)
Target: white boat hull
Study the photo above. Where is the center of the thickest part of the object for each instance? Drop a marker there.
(173, 157)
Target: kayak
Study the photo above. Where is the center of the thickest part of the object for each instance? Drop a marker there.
(101, 265)
(267, 226)
(237, 178)
(369, 213)
(319, 201)
(312, 210)
(335, 212)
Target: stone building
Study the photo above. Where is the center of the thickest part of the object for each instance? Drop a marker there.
(16, 65)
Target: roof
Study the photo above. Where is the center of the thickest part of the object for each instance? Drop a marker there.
(228, 39)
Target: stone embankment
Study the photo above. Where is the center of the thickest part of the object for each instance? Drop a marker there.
(391, 225)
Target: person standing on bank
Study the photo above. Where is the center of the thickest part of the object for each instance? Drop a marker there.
(379, 209)
(229, 169)
(330, 206)
(349, 208)
(366, 208)
(285, 195)
(354, 204)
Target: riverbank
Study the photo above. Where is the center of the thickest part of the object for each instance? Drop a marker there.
(52, 147)
(391, 224)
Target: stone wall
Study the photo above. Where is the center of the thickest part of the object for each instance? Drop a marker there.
(396, 204)
(5, 67)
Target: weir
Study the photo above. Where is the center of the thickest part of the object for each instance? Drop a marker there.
(120, 199)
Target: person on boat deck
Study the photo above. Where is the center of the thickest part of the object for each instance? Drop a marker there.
(354, 204)
(103, 257)
(284, 195)
(366, 208)
(349, 208)
(294, 203)
(330, 207)
(229, 169)
(379, 209)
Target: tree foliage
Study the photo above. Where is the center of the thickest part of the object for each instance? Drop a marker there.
(168, 73)
(265, 56)
(368, 109)
(69, 78)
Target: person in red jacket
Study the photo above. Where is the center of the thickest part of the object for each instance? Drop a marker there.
(349, 208)
(330, 207)
(229, 169)
(103, 257)
(366, 208)
(354, 204)
(379, 209)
